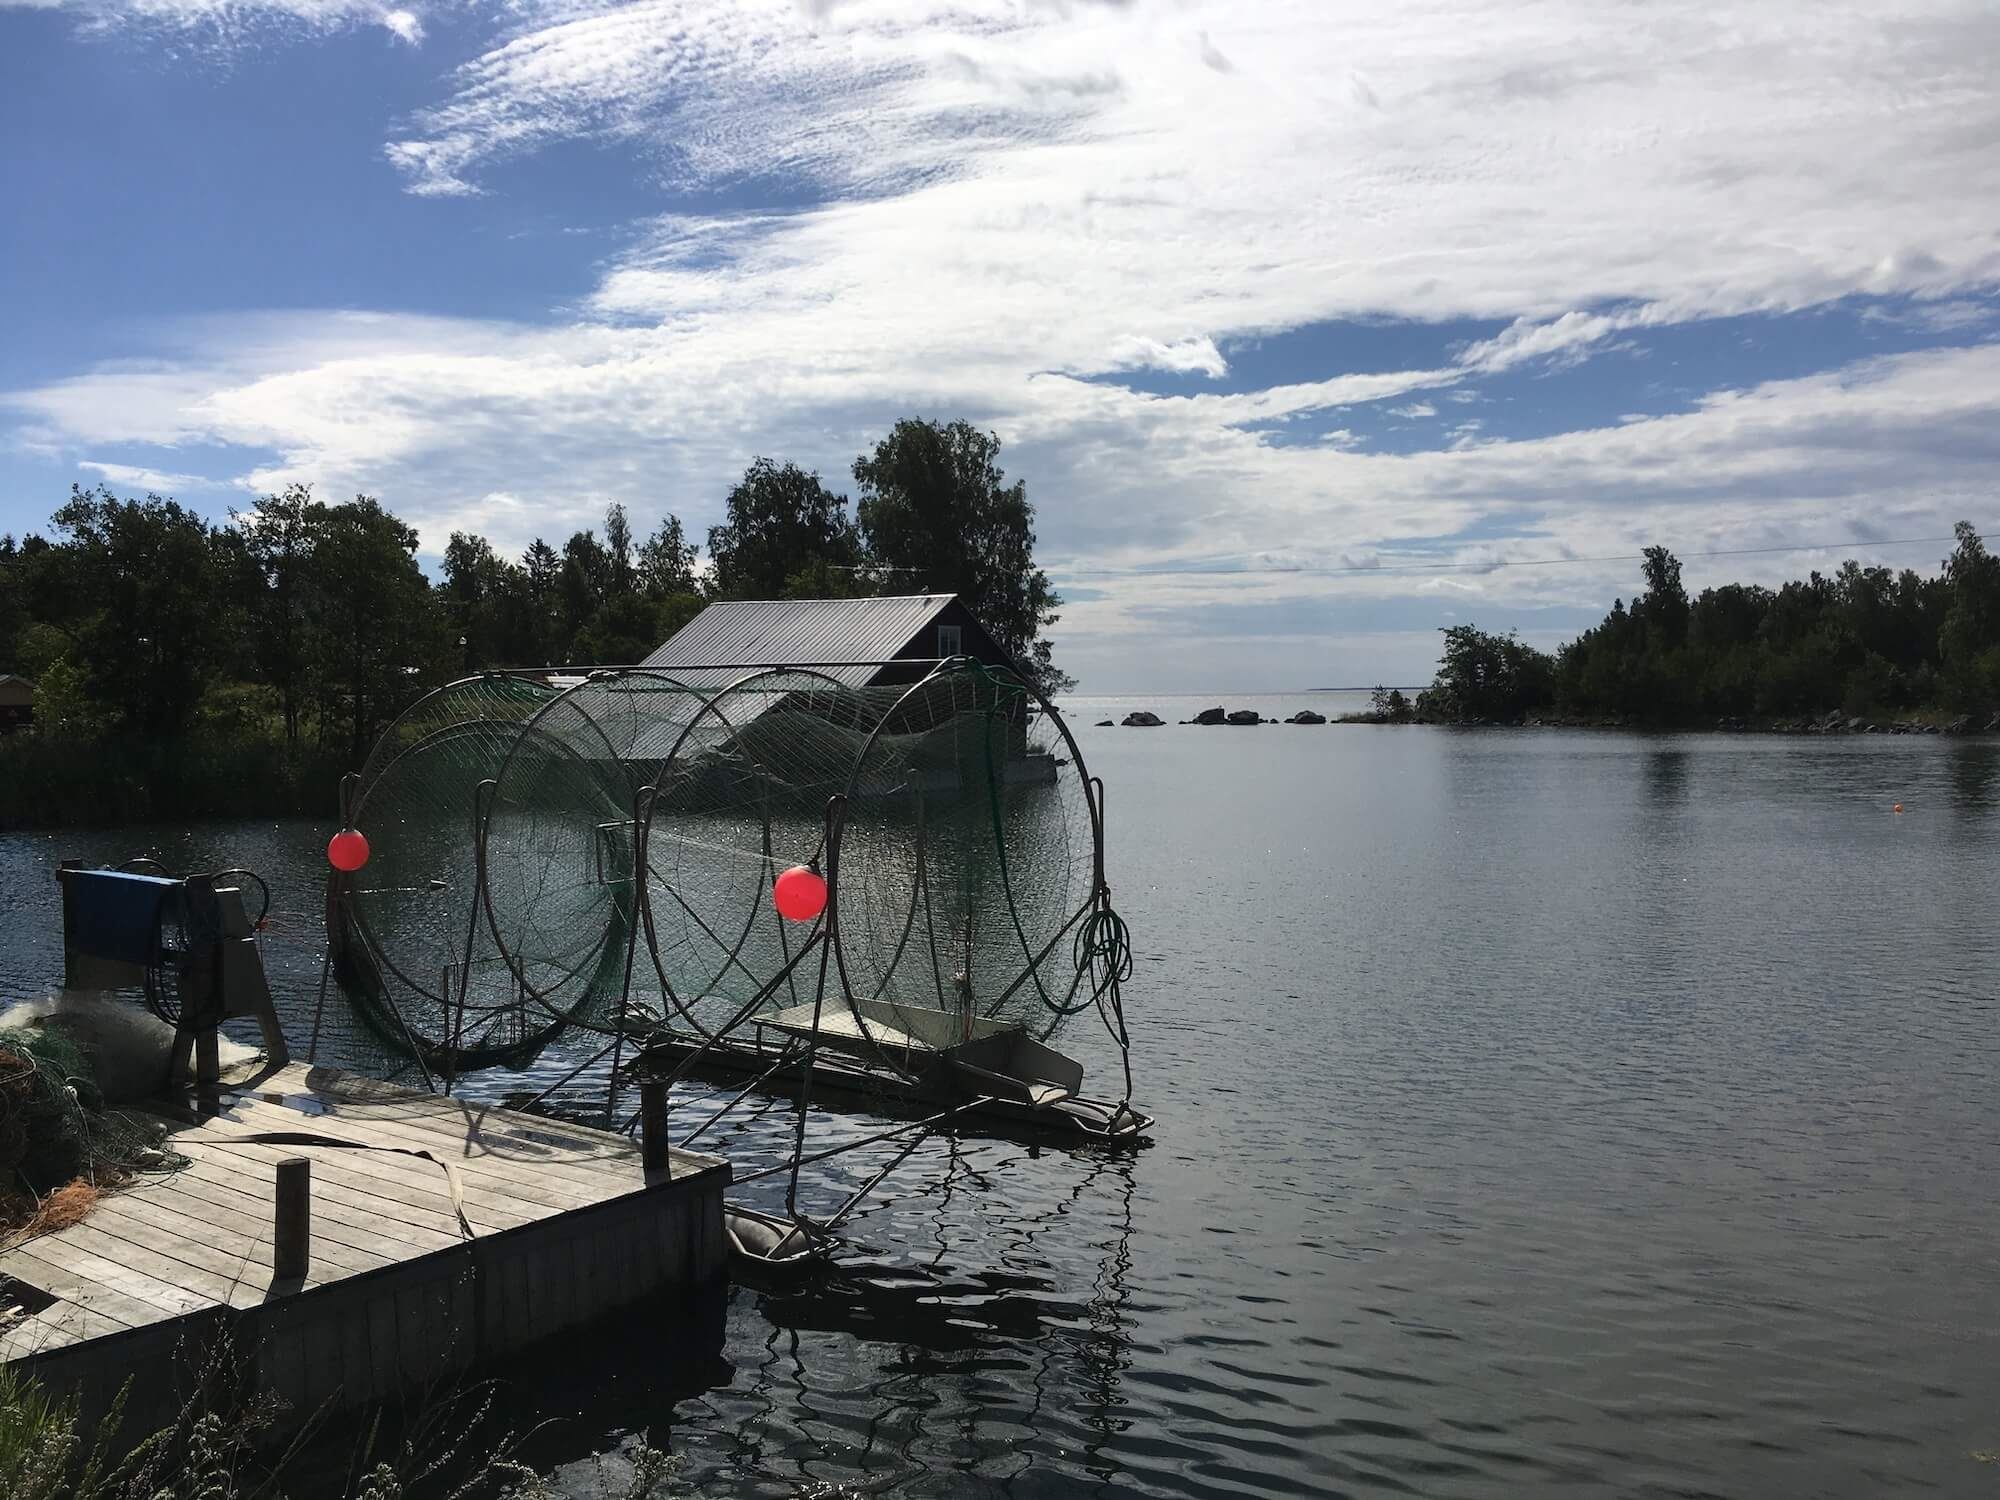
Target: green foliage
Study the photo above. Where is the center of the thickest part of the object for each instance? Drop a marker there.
(1868, 642)
(780, 521)
(141, 586)
(938, 517)
(1484, 677)
(1390, 706)
(184, 668)
(666, 562)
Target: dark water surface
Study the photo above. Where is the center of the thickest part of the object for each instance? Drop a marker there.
(1537, 1111)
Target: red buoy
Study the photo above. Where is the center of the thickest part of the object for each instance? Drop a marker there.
(799, 894)
(347, 850)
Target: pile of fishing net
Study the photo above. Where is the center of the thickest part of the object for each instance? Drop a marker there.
(62, 1144)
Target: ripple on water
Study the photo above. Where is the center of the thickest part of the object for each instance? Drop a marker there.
(1601, 1112)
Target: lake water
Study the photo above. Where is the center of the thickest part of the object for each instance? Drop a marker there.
(1537, 1110)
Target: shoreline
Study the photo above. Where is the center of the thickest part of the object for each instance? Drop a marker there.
(1833, 722)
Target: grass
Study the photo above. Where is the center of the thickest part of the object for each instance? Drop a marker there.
(224, 1445)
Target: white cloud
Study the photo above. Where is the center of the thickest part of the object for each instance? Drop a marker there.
(1414, 410)
(1008, 196)
(137, 477)
(1192, 356)
(232, 24)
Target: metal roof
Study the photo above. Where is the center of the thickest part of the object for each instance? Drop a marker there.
(732, 637)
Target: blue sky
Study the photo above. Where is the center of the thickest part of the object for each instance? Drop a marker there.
(1274, 307)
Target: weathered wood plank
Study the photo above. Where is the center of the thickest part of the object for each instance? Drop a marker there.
(354, 1210)
(423, 1186)
(532, 1184)
(166, 1207)
(27, 1263)
(74, 1251)
(196, 1200)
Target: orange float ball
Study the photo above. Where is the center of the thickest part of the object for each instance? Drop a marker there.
(347, 850)
(799, 894)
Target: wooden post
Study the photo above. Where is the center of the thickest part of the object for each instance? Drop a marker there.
(653, 1125)
(291, 1237)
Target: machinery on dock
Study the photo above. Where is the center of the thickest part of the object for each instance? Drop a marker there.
(779, 880)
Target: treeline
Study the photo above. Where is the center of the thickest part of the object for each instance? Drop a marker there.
(1869, 642)
(184, 667)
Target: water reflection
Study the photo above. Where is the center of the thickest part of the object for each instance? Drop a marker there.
(1536, 1110)
(1974, 768)
(952, 1375)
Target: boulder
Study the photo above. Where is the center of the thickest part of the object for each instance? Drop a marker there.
(1105, 724)
(1246, 716)
(1143, 719)
(1211, 716)
(1306, 716)
(1856, 724)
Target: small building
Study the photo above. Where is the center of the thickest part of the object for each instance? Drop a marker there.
(17, 702)
(860, 642)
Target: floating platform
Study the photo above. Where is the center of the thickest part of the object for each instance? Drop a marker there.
(443, 1234)
(754, 1064)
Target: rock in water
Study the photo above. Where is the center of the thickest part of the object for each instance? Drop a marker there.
(1104, 724)
(1211, 716)
(1143, 719)
(1306, 716)
(1246, 716)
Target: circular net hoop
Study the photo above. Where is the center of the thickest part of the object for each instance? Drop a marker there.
(741, 798)
(968, 858)
(559, 855)
(420, 965)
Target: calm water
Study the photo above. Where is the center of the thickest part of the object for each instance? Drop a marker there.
(1537, 1110)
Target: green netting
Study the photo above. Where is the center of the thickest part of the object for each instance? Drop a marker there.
(54, 1126)
(743, 797)
(560, 835)
(606, 856)
(967, 863)
(419, 963)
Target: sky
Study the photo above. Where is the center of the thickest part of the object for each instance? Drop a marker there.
(1312, 328)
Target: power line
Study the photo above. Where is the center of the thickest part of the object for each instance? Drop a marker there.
(1391, 569)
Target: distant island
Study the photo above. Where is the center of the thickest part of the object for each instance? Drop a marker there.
(1862, 649)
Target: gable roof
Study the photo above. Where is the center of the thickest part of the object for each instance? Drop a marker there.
(845, 638)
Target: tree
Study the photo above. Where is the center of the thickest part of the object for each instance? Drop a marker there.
(666, 561)
(1664, 607)
(280, 531)
(1487, 677)
(380, 637)
(1969, 638)
(541, 583)
(484, 599)
(617, 551)
(780, 520)
(585, 581)
(152, 615)
(938, 516)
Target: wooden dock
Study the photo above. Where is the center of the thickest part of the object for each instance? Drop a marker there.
(443, 1234)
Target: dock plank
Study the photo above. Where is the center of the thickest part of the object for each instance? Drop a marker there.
(565, 1221)
(556, 1190)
